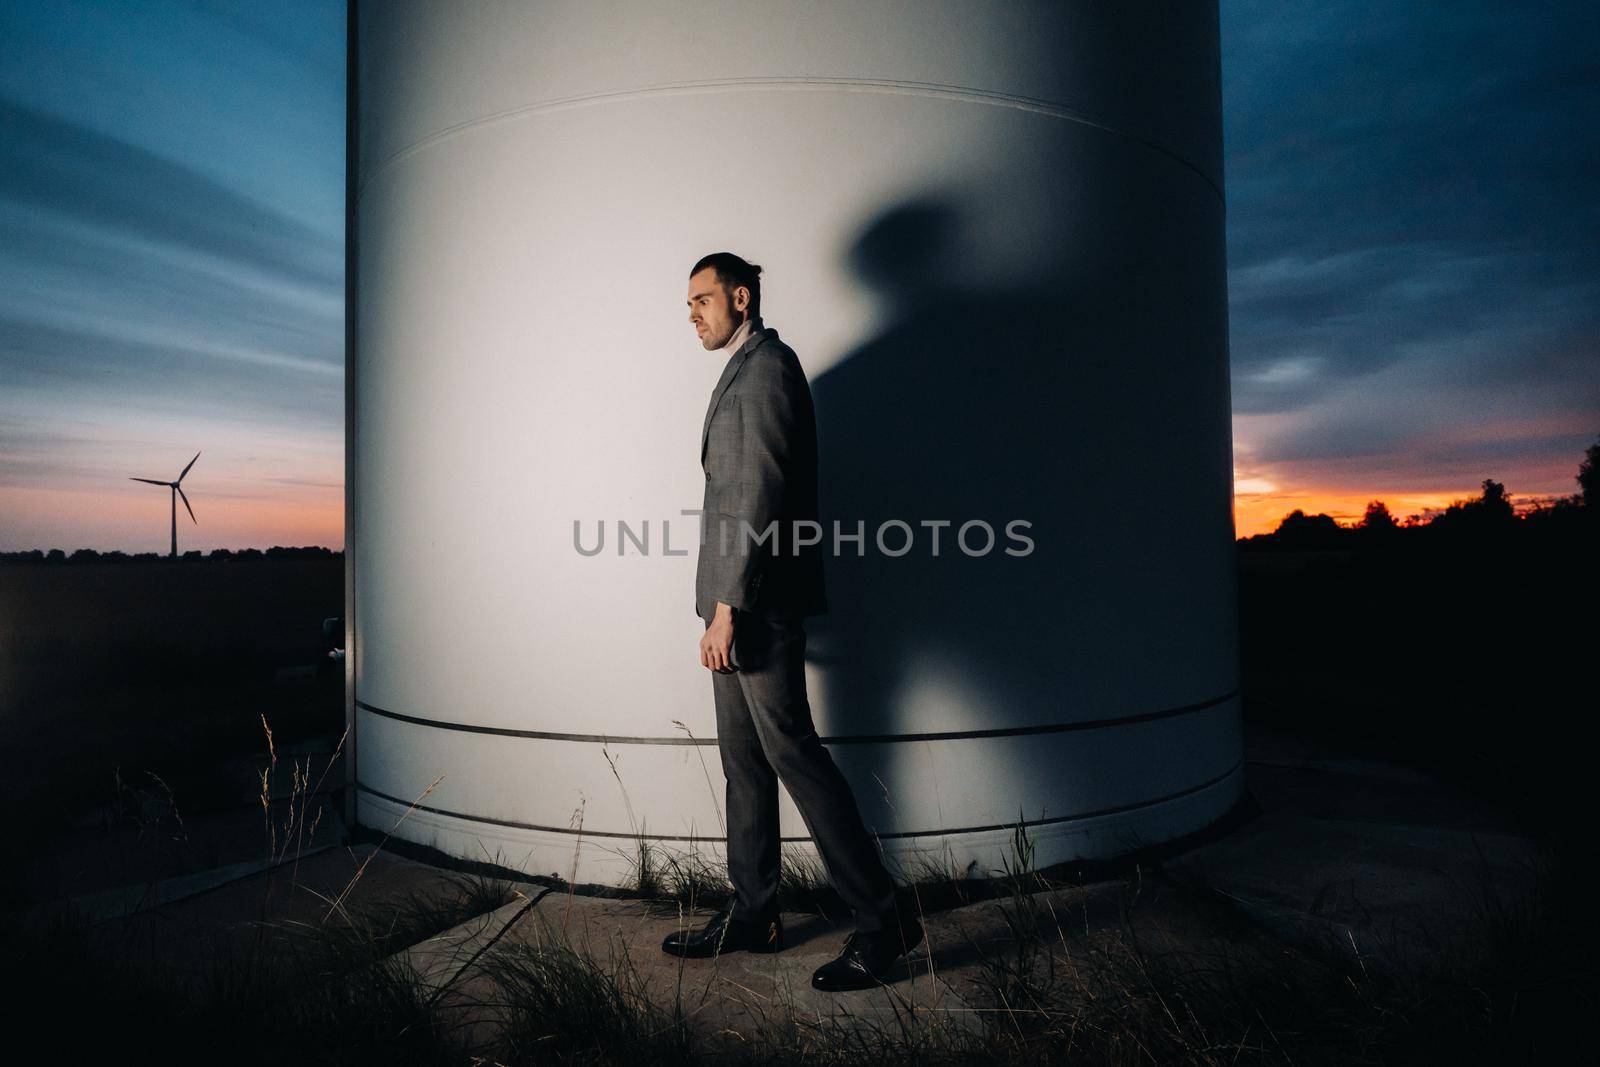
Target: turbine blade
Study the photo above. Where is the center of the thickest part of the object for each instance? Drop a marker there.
(186, 469)
(179, 488)
(152, 481)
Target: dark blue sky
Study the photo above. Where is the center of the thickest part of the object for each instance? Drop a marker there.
(1413, 245)
(1414, 249)
(172, 219)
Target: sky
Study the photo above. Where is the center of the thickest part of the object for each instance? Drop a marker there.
(1413, 251)
(1414, 270)
(171, 273)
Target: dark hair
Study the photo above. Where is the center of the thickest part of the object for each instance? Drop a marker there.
(734, 272)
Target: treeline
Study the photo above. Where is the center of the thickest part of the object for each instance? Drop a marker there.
(1488, 517)
(56, 556)
(1460, 646)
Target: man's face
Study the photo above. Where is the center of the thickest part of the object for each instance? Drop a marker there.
(713, 310)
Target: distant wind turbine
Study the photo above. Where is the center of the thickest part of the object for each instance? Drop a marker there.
(177, 491)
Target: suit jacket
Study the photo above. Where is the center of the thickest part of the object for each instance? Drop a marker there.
(758, 448)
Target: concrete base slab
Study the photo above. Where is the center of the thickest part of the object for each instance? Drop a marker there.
(1387, 873)
(1391, 895)
(1365, 867)
(725, 1001)
(282, 914)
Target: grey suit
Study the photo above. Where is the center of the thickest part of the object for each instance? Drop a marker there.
(758, 446)
(759, 450)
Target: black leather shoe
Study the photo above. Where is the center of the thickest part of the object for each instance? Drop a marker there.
(724, 933)
(867, 959)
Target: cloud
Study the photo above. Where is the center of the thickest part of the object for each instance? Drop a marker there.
(1414, 279)
(146, 309)
(133, 266)
(67, 169)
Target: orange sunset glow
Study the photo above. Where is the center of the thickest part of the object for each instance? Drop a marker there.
(1259, 506)
(134, 521)
(1260, 512)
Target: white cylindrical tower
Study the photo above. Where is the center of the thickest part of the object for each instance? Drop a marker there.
(993, 232)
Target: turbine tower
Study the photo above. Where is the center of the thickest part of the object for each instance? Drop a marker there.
(1061, 160)
(177, 491)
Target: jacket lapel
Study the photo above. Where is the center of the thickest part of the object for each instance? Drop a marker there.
(729, 372)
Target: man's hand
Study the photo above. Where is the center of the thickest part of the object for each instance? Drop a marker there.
(716, 647)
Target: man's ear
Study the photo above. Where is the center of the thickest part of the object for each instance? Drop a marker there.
(741, 298)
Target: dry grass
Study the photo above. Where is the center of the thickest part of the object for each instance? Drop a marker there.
(334, 990)
(338, 993)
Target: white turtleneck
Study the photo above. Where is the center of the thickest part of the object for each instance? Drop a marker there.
(746, 330)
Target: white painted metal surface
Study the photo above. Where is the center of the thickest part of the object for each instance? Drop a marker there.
(994, 235)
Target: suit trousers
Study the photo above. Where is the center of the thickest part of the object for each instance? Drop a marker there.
(765, 735)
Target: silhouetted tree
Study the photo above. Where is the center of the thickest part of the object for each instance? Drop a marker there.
(1488, 514)
(1589, 475)
(1377, 517)
(1562, 512)
(1494, 502)
(1299, 530)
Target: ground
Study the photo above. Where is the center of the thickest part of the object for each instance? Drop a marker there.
(1337, 866)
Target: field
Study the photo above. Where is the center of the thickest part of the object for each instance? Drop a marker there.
(162, 668)
(1463, 660)
(1471, 659)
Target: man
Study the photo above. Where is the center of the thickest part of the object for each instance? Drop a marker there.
(756, 581)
